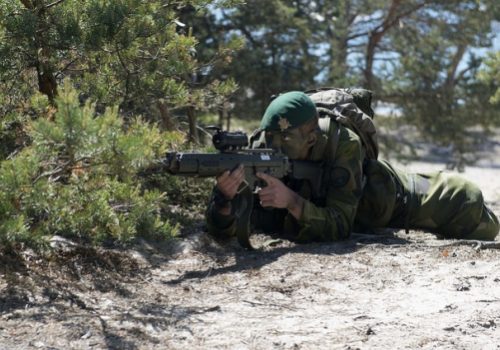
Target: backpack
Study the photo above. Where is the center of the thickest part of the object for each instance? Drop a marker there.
(350, 108)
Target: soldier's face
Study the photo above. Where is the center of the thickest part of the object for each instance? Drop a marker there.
(290, 142)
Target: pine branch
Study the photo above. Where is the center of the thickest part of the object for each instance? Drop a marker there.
(390, 20)
(65, 68)
(55, 3)
(51, 173)
(66, 167)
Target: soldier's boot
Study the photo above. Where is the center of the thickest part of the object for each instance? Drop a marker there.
(488, 226)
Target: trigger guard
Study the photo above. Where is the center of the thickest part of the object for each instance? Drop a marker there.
(243, 185)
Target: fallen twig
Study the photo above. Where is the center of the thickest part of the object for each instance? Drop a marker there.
(256, 303)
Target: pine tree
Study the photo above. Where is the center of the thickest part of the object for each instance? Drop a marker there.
(490, 76)
(78, 177)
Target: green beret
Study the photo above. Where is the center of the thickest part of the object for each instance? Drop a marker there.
(288, 111)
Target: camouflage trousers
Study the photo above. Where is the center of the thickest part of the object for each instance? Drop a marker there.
(438, 202)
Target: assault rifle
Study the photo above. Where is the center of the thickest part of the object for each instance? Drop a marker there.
(233, 151)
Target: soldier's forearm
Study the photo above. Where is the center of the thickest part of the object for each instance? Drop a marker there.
(296, 206)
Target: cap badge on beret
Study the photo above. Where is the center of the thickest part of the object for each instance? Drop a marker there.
(284, 124)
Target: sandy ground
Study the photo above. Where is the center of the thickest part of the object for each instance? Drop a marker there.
(396, 291)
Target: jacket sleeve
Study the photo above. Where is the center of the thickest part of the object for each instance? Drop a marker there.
(218, 225)
(343, 186)
(225, 226)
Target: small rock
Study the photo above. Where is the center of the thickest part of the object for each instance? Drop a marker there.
(462, 286)
(489, 324)
(87, 335)
(449, 307)
(37, 344)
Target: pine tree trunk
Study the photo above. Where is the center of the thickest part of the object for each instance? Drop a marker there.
(228, 121)
(220, 123)
(166, 122)
(224, 117)
(47, 83)
(193, 131)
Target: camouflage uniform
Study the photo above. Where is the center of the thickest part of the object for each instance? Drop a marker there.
(438, 202)
(360, 194)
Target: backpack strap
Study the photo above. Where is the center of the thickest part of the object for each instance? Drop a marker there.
(325, 125)
(351, 117)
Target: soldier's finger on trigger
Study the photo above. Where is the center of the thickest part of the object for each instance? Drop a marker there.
(266, 190)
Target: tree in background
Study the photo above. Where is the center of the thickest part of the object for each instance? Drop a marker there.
(352, 33)
(297, 44)
(278, 53)
(434, 81)
(490, 76)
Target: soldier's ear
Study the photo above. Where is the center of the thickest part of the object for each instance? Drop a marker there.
(312, 138)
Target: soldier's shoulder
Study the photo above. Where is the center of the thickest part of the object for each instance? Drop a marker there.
(332, 128)
(349, 143)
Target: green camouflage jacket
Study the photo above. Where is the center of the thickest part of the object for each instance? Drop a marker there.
(327, 216)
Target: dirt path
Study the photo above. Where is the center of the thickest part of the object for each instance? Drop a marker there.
(392, 292)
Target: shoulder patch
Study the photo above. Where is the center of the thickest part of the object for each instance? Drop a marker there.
(339, 177)
(284, 123)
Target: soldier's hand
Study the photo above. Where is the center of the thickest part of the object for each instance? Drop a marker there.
(229, 182)
(277, 195)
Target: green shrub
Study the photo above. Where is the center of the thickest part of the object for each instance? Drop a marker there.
(78, 178)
